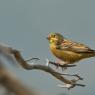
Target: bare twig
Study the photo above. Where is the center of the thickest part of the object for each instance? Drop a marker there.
(32, 59)
(76, 75)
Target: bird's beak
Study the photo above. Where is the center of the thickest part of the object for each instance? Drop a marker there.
(48, 38)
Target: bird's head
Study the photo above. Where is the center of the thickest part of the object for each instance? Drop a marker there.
(55, 38)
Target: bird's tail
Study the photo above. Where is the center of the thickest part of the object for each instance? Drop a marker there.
(89, 54)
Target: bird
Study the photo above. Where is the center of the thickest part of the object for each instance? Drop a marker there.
(68, 51)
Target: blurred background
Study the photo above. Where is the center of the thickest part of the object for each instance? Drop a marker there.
(25, 24)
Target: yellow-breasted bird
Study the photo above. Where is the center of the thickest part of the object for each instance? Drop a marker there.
(68, 51)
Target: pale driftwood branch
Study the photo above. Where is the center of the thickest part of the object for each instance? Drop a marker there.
(27, 66)
(11, 84)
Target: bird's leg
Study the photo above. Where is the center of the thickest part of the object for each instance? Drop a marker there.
(57, 66)
(60, 62)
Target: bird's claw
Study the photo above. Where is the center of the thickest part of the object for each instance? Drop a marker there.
(57, 66)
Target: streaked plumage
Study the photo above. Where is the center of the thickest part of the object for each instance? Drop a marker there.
(67, 50)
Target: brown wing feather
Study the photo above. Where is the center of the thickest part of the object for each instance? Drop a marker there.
(75, 47)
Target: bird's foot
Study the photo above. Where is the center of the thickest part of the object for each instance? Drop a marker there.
(64, 67)
(63, 64)
(57, 66)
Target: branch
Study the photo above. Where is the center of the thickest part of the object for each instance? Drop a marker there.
(11, 53)
(27, 66)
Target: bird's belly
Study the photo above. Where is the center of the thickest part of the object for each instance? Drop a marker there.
(67, 56)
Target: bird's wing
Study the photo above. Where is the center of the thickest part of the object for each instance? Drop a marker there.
(74, 46)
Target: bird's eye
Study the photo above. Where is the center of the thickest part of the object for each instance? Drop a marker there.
(54, 36)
